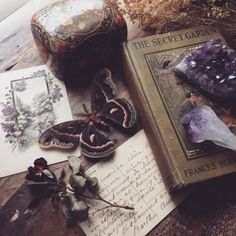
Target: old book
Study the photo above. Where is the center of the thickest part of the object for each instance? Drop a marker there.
(159, 95)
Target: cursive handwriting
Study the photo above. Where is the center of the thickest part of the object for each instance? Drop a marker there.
(132, 177)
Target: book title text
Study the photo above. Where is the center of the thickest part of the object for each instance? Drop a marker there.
(173, 38)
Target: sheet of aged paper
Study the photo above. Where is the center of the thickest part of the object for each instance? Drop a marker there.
(132, 178)
(31, 100)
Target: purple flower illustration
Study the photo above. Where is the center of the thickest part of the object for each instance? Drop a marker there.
(20, 118)
(9, 112)
(20, 86)
(8, 127)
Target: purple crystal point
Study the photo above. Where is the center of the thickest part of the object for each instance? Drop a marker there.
(202, 124)
(211, 68)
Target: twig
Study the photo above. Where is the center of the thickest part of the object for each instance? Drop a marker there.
(98, 197)
(114, 204)
(103, 208)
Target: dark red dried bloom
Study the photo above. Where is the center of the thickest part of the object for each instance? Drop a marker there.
(41, 163)
(35, 173)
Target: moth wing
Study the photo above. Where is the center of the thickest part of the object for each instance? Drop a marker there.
(93, 144)
(65, 135)
(103, 89)
(120, 112)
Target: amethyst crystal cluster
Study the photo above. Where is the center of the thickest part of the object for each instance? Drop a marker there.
(211, 68)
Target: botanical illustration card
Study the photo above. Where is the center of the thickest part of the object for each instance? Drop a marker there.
(31, 101)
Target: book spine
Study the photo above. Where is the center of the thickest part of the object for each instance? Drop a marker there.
(163, 158)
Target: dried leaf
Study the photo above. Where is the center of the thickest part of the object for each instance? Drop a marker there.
(74, 210)
(60, 174)
(93, 183)
(74, 163)
(69, 189)
(79, 211)
(48, 174)
(65, 207)
(77, 182)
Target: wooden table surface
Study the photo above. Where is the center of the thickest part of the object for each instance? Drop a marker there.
(210, 210)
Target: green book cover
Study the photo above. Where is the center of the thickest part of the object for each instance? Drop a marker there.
(159, 96)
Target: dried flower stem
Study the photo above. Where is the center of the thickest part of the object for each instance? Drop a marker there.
(98, 197)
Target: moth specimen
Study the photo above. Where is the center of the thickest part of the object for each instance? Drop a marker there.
(106, 109)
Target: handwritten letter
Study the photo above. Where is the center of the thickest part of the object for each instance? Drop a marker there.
(131, 178)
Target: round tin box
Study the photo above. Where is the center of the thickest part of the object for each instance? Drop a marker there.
(77, 37)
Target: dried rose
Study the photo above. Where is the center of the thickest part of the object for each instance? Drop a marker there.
(41, 163)
(36, 173)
